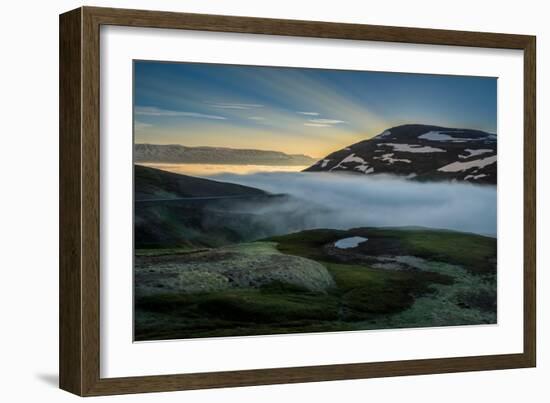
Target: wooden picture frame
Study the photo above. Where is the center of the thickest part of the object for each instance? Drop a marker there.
(80, 184)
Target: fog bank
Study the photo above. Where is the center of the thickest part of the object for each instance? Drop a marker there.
(347, 201)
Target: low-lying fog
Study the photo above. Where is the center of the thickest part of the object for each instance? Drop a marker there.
(348, 201)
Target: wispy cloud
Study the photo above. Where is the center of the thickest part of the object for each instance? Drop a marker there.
(327, 121)
(309, 113)
(256, 118)
(317, 125)
(322, 122)
(153, 111)
(231, 105)
(141, 125)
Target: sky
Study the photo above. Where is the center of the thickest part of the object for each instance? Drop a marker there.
(297, 110)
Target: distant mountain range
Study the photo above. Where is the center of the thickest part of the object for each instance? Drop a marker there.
(174, 153)
(420, 152)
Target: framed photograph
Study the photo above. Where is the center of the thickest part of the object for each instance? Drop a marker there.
(249, 201)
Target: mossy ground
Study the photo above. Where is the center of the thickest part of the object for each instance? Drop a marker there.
(451, 280)
(476, 253)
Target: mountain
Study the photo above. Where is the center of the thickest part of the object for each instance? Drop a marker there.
(174, 153)
(150, 184)
(422, 152)
(173, 210)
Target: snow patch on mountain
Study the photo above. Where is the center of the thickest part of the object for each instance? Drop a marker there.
(473, 153)
(364, 168)
(436, 135)
(474, 177)
(412, 148)
(350, 158)
(459, 166)
(390, 160)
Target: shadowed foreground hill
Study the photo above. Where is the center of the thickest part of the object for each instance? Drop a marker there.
(173, 210)
(153, 183)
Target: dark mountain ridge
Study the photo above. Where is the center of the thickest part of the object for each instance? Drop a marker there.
(151, 183)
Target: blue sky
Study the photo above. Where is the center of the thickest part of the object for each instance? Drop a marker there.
(298, 111)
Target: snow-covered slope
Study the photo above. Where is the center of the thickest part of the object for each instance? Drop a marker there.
(421, 152)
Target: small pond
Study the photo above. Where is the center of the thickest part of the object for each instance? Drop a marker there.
(351, 242)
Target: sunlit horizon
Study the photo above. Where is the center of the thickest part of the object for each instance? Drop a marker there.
(209, 170)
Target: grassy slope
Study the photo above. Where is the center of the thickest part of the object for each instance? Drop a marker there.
(364, 297)
(475, 253)
(274, 307)
(460, 273)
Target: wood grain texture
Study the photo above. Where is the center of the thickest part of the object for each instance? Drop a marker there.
(90, 202)
(70, 271)
(530, 203)
(317, 29)
(80, 201)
